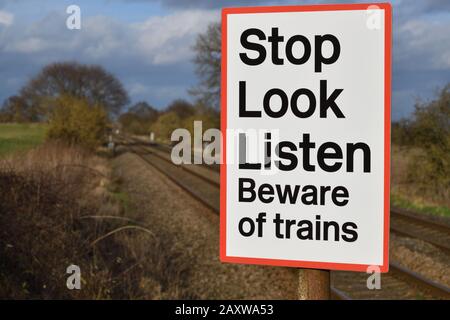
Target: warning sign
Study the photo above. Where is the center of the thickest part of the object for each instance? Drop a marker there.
(306, 108)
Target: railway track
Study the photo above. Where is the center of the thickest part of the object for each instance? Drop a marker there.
(407, 224)
(402, 222)
(203, 184)
(165, 148)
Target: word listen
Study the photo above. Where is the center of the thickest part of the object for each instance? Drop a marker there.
(330, 156)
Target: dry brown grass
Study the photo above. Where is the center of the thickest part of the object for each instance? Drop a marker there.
(401, 159)
(41, 234)
(58, 206)
(403, 178)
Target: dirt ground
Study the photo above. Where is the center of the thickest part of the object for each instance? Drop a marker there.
(171, 212)
(421, 257)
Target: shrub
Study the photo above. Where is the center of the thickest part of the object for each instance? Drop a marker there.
(209, 121)
(74, 121)
(401, 133)
(139, 118)
(137, 127)
(430, 131)
(165, 125)
(182, 108)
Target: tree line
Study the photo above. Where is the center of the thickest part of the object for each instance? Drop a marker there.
(142, 119)
(80, 102)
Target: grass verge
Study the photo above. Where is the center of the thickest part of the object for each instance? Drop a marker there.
(61, 206)
(416, 206)
(17, 137)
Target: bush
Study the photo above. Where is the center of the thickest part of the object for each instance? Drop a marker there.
(139, 118)
(165, 125)
(209, 121)
(430, 131)
(182, 108)
(401, 133)
(137, 127)
(74, 121)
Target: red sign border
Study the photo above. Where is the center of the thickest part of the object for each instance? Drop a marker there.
(387, 122)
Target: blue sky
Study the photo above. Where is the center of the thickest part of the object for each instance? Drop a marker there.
(148, 43)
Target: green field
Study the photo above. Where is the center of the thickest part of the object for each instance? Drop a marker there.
(16, 137)
(418, 206)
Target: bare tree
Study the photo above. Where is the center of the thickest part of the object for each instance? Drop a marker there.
(182, 108)
(144, 111)
(139, 118)
(15, 109)
(90, 82)
(207, 60)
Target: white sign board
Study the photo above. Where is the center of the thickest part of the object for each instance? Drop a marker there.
(306, 107)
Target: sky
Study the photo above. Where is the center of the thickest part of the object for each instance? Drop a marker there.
(147, 44)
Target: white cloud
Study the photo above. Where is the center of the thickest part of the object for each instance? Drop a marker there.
(140, 91)
(136, 88)
(159, 40)
(102, 37)
(423, 44)
(30, 45)
(6, 18)
(168, 39)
